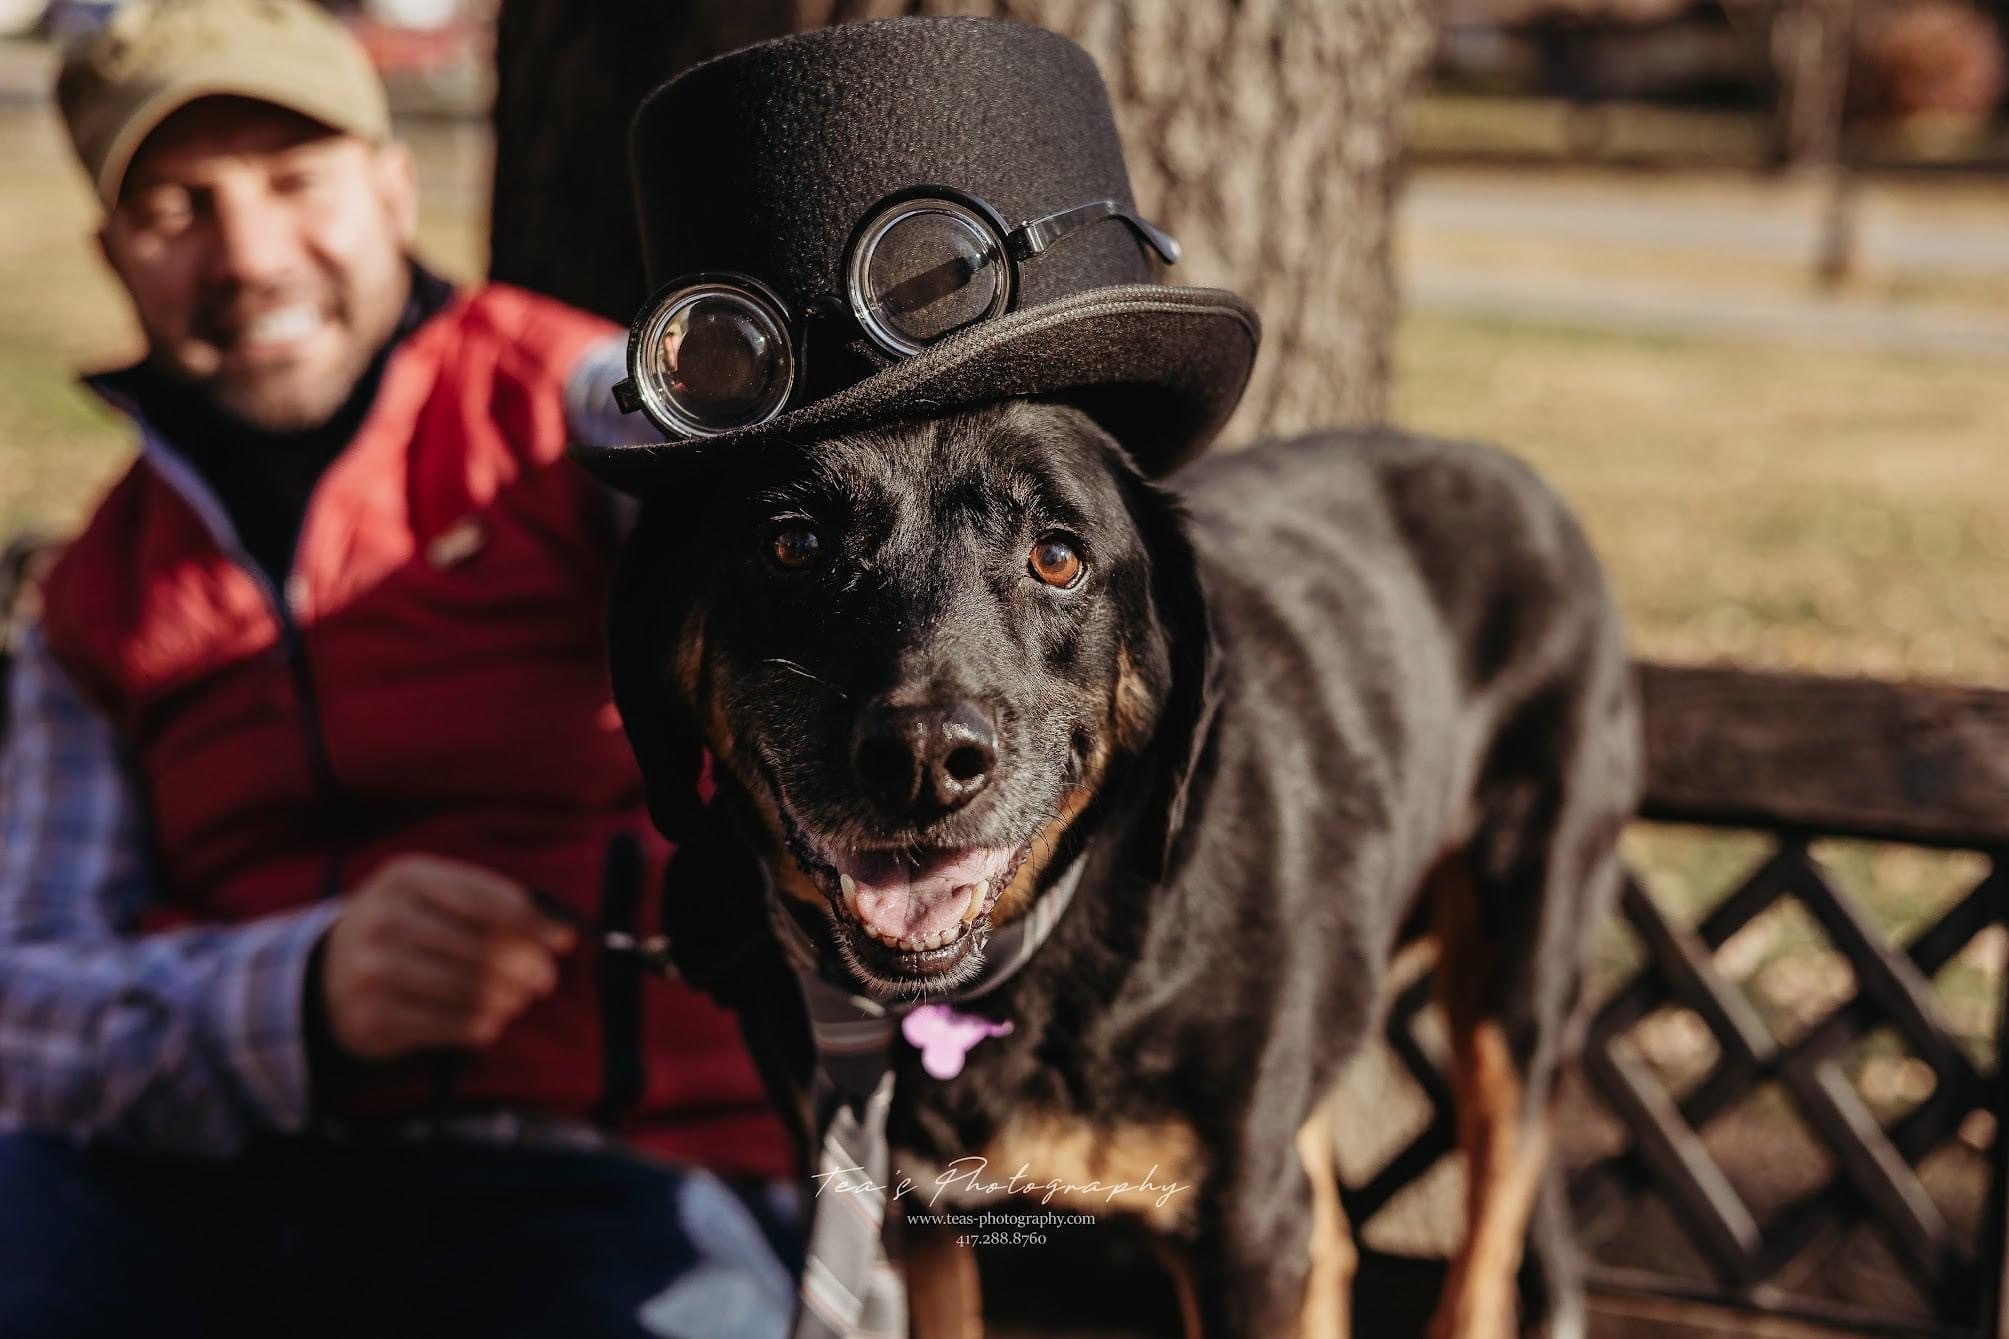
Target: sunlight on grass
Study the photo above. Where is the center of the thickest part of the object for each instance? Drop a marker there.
(1829, 510)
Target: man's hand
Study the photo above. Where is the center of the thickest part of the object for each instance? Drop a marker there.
(430, 953)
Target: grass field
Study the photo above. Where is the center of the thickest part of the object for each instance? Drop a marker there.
(1834, 510)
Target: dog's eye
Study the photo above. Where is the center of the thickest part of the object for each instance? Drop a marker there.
(1054, 560)
(795, 546)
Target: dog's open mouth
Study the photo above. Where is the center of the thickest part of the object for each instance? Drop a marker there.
(908, 917)
(910, 913)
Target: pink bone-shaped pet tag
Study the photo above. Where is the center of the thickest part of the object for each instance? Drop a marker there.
(944, 1037)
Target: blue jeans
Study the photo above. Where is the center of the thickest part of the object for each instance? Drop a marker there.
(330, 1241)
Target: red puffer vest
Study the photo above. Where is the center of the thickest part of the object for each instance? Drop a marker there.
(432, 679)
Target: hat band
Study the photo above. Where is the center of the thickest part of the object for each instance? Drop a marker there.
(716, 352)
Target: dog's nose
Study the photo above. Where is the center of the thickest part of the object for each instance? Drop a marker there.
(935, 757)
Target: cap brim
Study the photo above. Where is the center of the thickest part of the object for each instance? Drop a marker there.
(334, 110)
(1161, 368)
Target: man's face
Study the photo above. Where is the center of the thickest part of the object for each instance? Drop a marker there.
(265, 256)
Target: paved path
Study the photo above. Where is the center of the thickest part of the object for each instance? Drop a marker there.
(1727, 219)
(1594, 304)
(1753, 218)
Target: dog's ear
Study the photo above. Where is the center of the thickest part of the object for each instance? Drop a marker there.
(711, 909)
(1193, 663)
(640, 648)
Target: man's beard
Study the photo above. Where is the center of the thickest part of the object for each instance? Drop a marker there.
(304, 392)
(289, 399)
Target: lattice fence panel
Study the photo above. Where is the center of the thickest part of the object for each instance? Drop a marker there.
(1848, 1175)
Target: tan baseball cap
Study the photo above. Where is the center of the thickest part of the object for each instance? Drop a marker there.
(154, 57)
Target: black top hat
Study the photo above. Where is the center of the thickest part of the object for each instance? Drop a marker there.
(780, 164)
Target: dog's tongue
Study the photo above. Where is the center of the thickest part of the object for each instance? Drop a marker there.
(901, 895)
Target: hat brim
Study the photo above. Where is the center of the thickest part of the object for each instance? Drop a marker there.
(1161, 368)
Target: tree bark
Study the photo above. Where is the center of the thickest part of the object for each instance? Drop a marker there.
(1264, 134)
(1812, 41)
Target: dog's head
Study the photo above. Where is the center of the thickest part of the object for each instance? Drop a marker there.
(929, 661)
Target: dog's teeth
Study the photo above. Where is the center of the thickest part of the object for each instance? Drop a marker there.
(918, 943)
(976, 905)
(849, 888)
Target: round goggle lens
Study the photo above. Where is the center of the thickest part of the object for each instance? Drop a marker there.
(714, 360)
(926, 271)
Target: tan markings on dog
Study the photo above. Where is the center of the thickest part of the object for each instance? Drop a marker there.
(690, 658)
(1017, 896)
(772, 850)
(1328, 1289)
(1178, 1264)
(944, 1294)
(1505, 1154)
(790, 879)
(1162, 1162)
(702, 692)
(707, 703)
(1126, 715)
(1130, 709)
(771, 846)
(1504, 1144)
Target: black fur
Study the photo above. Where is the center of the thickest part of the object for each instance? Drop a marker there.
(1357, 653)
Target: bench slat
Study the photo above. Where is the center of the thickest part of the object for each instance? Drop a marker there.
(1856, 757)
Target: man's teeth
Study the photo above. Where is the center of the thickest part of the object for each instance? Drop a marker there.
(275, 327)
(847, 888)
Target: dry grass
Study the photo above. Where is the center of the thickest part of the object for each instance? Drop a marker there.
(1817, 509)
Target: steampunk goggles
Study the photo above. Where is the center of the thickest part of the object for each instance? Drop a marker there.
(716, 352)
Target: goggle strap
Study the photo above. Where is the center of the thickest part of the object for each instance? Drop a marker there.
(1034, 236)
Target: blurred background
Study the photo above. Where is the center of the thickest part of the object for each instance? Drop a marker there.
(1734, 274)
(1739, 287)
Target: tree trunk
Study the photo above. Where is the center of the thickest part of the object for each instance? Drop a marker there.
(1265, 135)
(1812, 41)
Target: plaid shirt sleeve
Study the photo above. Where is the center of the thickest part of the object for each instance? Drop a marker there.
(590, 412)
(188, 1041)
(592, 417)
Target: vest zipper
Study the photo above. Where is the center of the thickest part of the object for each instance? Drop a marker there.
(286, 603)
(176, 472)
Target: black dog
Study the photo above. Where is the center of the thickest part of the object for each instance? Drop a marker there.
(1316, 699)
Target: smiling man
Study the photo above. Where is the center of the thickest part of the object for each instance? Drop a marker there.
(317, 822)
(275, 324)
